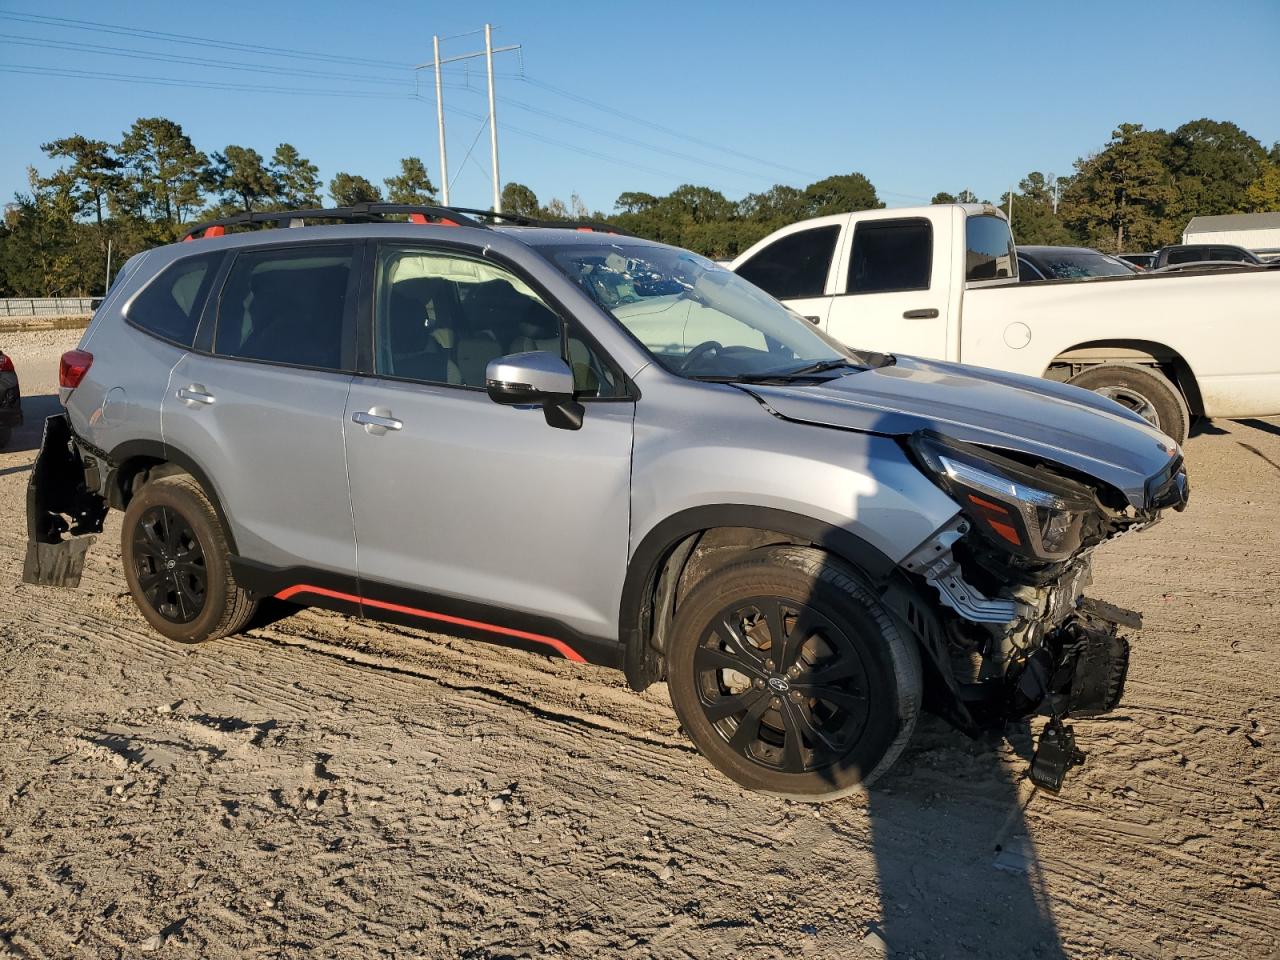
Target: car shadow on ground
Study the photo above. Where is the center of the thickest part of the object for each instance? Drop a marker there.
(958, 873)
(34, 411)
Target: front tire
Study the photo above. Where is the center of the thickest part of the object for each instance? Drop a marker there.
(6, 433)
(790, 677)
(177, 563)
(1146, 392)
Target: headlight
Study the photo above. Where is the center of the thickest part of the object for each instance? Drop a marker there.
(1026, 511)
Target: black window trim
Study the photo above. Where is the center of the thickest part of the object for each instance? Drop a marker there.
(1024, 260)
(213, 306)
(832, 261)
(215, 285)
(367, 322)
(877, 224)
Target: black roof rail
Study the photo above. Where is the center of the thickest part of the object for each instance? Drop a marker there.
(521, 220)
(379, 212)
(356, 213)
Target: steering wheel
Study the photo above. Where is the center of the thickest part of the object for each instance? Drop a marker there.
(700, 351)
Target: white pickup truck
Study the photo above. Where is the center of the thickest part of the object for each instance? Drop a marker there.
(941, 282)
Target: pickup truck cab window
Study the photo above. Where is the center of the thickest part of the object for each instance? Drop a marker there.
(989, 250)
(891, 255)
(795, 265)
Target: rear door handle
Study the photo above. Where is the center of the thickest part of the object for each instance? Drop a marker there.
(195, 393)
(928, 314)
(376, 421)
(814, 320)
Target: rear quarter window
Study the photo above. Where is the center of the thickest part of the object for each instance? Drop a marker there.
(169, 306)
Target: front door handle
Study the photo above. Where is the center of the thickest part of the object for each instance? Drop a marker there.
(195, 393)
(928, 314)
(376, 421)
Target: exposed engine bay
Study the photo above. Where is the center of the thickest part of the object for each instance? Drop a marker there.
(1016, 635)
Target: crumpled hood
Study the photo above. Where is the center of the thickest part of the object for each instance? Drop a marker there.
(1005, 411)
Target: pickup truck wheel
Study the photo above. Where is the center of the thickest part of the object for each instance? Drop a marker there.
(790, 677)
(177, 565)
(1146, 392)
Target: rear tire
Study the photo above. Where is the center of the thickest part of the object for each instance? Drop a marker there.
(1145, 391)
(6, 433)
(177, 563)
(814, 708)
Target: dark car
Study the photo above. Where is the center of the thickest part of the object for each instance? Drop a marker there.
(1068, 263)
(1143, 261)
(1181, 253)
(10, 399)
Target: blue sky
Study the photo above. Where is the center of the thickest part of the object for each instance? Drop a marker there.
(919, 97)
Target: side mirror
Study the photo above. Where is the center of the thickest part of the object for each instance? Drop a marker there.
(537, 377)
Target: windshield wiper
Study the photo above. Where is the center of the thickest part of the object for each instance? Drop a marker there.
(818, 366)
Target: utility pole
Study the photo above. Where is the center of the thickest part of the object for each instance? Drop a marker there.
(493, 121)
(106, 284)
(1053, 185)
(1010, 209)
(488, 52)
(444, 160)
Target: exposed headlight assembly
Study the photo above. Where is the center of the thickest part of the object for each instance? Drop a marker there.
(1026, 511)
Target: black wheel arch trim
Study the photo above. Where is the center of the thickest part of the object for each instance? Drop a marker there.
(641, 663)
(156, 450)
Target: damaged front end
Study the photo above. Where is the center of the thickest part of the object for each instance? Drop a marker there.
(63, 510)
(1014, 634)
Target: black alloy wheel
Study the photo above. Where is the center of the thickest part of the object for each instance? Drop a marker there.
(170, 564)
(782, 684)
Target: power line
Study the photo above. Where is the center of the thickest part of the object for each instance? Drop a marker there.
(97, 27)
(135, 53)
(205, 84)
(583, 151)
(614, 111)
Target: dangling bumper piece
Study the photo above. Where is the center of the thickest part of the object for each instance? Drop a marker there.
(63, 513)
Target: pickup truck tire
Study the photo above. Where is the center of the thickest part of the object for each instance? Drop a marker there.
(790, 677)
(1146, 392)
(176, 563)
(5, 434)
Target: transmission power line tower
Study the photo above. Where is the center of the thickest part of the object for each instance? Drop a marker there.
(436, 62)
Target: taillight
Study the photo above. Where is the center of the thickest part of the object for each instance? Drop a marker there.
(6, 364)
(73, 366)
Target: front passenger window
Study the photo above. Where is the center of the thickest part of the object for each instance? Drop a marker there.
(442, 318)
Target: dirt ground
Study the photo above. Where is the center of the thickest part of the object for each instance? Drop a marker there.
(325, 787)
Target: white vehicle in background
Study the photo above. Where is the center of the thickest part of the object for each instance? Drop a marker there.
(941, 282)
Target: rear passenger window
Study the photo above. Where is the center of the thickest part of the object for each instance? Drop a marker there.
(170, 305)
(286, 306)
(794, 266)
(891, 255)
(989, 251)
(442, 318)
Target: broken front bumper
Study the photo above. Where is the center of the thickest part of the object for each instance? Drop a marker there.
(63, 514)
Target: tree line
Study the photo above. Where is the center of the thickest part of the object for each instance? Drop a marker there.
(1137, 192)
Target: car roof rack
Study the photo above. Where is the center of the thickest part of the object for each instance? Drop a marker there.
(380, 212)
(521, 220)
(356, 213)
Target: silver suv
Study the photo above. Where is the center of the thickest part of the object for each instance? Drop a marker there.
(587, 445)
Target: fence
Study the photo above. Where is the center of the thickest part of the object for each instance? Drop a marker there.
(47, 306)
